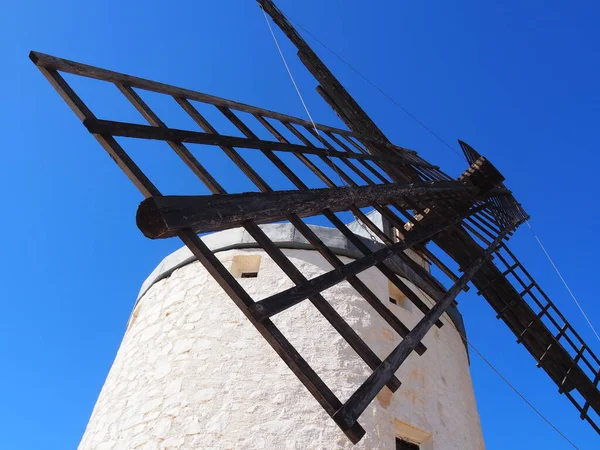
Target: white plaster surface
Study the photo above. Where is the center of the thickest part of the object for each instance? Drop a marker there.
(193, 373)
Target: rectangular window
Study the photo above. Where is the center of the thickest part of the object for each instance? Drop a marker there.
(396, 296)
(401, 444)
(245, 266)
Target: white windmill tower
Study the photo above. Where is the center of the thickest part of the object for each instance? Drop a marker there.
(192, 372)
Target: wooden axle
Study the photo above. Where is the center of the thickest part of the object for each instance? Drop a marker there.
(165, 216)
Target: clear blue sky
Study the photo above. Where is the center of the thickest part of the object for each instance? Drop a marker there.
(517, 80)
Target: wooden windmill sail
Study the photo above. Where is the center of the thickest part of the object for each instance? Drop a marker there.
(470, 219)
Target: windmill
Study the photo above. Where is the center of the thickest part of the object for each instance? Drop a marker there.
(423, 210)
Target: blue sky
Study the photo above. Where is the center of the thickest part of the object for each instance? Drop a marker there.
(517, 80)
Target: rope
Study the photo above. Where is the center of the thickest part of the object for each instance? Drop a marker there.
(502, 377)
(563, 280)
(335, 167)
(381, 91)
(290, 74)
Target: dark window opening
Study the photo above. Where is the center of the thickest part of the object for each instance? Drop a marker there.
(405, 445)
(249, 274)
(396, 296)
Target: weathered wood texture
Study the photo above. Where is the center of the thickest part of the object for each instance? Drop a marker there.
(163, 217)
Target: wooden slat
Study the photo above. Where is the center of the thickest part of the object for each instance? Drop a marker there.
(133, 130)
(181, 150)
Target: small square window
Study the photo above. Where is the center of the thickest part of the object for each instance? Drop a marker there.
(245, 266)
(401, 444)
(397, 297)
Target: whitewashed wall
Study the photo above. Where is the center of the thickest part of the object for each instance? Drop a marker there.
(192, 373)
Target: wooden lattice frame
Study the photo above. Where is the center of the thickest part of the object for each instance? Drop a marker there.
(414, 196)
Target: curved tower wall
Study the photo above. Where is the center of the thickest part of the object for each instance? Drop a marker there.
(193, 373)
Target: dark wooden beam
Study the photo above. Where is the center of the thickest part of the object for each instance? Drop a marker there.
(349, 110)
(133, 130)
(164, 217)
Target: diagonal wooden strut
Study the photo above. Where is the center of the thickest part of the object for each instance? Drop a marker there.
(348, 414)
(134, 130)
(288, 298)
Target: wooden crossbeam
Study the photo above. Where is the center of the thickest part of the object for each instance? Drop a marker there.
(163, 217)
(134, 130)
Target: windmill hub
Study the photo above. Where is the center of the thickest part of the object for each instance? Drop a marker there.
(482, 174)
